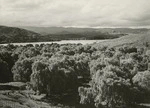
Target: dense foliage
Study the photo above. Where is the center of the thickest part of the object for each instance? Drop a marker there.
(119, 77)
(104, 76)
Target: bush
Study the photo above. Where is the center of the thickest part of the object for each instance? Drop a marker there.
(22, 70)
(54, 76)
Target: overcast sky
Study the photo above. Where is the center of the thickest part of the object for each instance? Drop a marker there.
(78, 13)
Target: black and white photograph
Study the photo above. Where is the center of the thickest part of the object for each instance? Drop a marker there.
(74, 53)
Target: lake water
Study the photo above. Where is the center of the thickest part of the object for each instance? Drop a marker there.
(61, 42)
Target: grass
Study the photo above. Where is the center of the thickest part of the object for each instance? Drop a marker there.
(134, 39)
(20, 99)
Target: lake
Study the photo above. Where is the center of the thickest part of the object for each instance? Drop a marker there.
(61, 42)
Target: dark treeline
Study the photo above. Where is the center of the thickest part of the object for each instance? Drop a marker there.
(103, 76)
(86, 36)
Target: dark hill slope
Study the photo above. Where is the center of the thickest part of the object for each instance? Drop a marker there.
(13, 34)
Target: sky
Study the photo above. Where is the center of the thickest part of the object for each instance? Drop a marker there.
(75, 13)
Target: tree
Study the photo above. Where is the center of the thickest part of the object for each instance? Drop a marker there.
(141, 82)
(115, 80)
(22, 70)
(54, 76)
(40, 77)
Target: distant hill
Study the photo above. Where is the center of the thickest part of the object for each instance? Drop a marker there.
(75, 33)
(64, 33)
(85, 31)
(14, 34)
(58, 30)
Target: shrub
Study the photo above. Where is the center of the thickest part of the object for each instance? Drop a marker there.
(22, 70)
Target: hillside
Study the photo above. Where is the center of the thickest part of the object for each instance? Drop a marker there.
(19, 35)
(124, 30)
(13, 34)
(134, 39)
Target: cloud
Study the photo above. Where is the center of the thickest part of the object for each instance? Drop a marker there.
(92, 13)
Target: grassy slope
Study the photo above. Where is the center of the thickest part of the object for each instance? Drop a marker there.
(17, 99)
(23, 98)
(134, 39)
